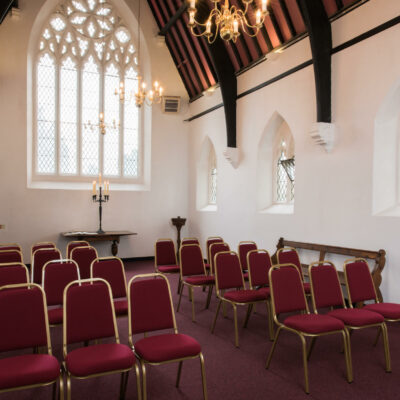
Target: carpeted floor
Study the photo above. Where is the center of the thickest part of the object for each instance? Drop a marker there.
(240, 374)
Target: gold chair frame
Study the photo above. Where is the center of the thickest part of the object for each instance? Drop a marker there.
(75, 241)
(191, 286)
(17, 263)
(124, 372)
(176, 261)
(10, 245)
(49, 348)
(16, 251)
(381, 326)
(52, 245)
(33, 257)
(304, 335)
(180, 360)
(245, 242)
(234, 304)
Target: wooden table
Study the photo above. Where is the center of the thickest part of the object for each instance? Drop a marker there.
(112, 236)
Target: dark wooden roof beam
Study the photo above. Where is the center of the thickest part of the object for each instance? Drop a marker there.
(287, 17)
(173, 19)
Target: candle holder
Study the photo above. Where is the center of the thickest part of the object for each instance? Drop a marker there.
(100, 199)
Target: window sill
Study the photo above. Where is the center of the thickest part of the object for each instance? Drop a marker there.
(279, 209)
(86, 186)
(209, 207)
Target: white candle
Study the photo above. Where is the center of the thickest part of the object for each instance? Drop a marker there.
(258, 17)
(235, 26)
(208, 26)
(99, 180)
(264, 5)
(192, 3)
(94, 188)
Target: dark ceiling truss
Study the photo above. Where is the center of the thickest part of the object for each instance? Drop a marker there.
(5, 8)
(193, 57)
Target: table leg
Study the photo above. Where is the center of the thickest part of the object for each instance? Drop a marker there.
(114, 247)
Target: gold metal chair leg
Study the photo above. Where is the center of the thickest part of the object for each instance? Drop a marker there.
(271, 352)
(121, 385)
(179, 284)
(305, 366)
(178, 376)
(68, 386)
(54, 391)
(203, 376)
(180, 298)
(224, 306)
(311, 347)
(192, 298)
(377, 336)
(124, 384)
(347, 355)
(216, 315)
(270, 321)
(144, 379)
(236, 325)
(61, 387)
(249, 310)
(139, 389)
(386, 347)
(210, 289)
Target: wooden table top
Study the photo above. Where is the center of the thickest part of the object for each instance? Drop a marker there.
(106, 234)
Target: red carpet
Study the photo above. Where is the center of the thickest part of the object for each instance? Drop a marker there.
(240, 374)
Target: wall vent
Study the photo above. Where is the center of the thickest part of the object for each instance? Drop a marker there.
(171, 104)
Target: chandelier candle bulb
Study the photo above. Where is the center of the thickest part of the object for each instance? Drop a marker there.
(235, 26)
(208, 26)
(264, 6)
(258, 17)
(192, 3)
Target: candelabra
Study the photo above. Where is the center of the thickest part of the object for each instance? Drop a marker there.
(101, 198)
(101, 125)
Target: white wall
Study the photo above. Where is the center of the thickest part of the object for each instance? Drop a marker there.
(33, 215)
(333, 196)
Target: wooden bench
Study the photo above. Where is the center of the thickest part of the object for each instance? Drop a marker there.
(378, 256)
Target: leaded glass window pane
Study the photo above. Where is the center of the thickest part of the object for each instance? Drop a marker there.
(46, 115)
(68, 117)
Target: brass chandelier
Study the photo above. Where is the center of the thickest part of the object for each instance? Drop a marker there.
(227, 21)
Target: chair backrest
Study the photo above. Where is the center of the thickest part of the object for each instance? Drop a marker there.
(165, 252)
(42, 245)
(191, 259)
(112, 270)
(88, 312)
(189, 241)
(228, 272)
(84, 256)
(214, 249)
(325, 286)
(289, 255)
(39, 258)
(287, 291)
(359, 282)
(243, 248)
(23, 317)
(57, 274)
(259, 263)
(10, 256)
(73, 244)
(13, 273)
(10, 246)
(150, 304)
(211, 240)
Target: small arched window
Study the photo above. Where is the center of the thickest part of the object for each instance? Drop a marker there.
(84, 52)
(212, 178)
(284, 174)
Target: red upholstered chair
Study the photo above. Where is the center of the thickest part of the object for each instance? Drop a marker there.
(112, 270)
(39, 258)
(73, 244)
(84, 256)
(56, 275)
(289, 255)
(326, 292)
(10, 246)
(23, 318)
(259, 263)
(243, 248)
(41, 245)
(89, 316)
(214, 249)
(230, 287)
(10, 256)
(193, 273)
(211, 240)
(165, 257)
(186, 241)
(360, 287)
(13, 273)
(151, 309)
(288, 296)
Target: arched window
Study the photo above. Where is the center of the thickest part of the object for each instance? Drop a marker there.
(84, 52)
(284, 173)
(212, 178)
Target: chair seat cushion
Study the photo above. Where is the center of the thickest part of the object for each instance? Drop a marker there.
(121, 307)
(307, 287)
(388, 310)
(313, 323)
(200, 280)
(167, 347)
(356, 316)
(28, 369)
(169, 268)
(266, 291)
(55, 316)
(99, 358)
(244, 296)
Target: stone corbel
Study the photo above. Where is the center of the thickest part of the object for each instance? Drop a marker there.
(323, 134)
(232, 155)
